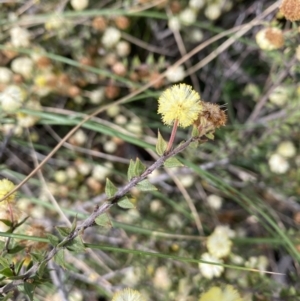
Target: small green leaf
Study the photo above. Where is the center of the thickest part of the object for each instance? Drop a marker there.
(74, 224)
(6, 222)
(172, 162)
(103, 220)
(41, 269)
(19, 265)
(37, 257)
(139, 167)
(161, 145)
(76, 245)
(16, 249)
(7, 272)
(53, 239)
(145, 185)
(195, 132)
(9, 296)
(59, 258)
(210, 136)
(110, 188)
(4, 262)
(194, 145)
(125, 203)
(29, 289)
(63, 231)
(130, 172)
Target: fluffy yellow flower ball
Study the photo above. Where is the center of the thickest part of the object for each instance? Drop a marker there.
(180, 102)
(5, 187)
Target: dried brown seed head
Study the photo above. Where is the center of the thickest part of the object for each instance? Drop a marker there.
(290, 9)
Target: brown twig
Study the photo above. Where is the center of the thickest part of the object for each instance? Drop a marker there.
(90, 221)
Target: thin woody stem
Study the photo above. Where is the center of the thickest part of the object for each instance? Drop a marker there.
(174, 130)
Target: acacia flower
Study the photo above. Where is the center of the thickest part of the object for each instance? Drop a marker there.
(179, 103)
(210, 271)
(219, 245)
(278, 164)
(127, 294)
(5, 187)
(270, 38)
(290, 9)
(228, 293)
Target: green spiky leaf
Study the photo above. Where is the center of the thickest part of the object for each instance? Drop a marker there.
(125, 203)
(172, 162)
(63, 231)
(76, 245)
(110, 188)
(131, 170)
(59, 258)
(103, 220)
(210, 136)
(29, 289)
(145, 185)
(7, 272)
(53, 239)
(139, 167)
(161, 145)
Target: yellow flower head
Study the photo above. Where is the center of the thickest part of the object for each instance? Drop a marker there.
(127, 294)
(5, 187)
(180, 102)
(228, 293)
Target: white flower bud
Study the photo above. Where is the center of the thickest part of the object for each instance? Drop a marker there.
(111, 37)
(12, 98)
(25, 120)
(196, 4)
(187, 180)
(195, 35)
(60, 176)
(71, 172)
(174, 23)
(97, 96)
(218, 245)
(123, 48)
(120, 119)
(79, 137)
(287, 149)
(176, 74)
(55, 22)
(5, 75)
(210, 271)
(187, 17)
(278, 164)
(113, 111)
(79, 4)
(214, 201)
(23, 66)
(101, 172)
(20, 37)
(280, 95)
(9, 128)
(134, 128)
(110, 146)
(161, 279)
(84, 168)
(213, 12)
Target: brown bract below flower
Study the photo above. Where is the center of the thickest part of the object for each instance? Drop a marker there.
(211, 117)
(291, 9)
